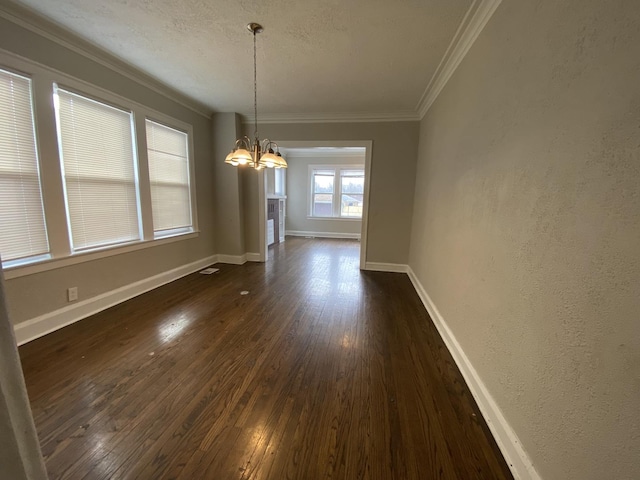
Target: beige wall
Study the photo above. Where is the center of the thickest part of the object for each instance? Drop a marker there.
(391, 183)
(526, 227)
(298, 197)
(228, 189)
(40, 293)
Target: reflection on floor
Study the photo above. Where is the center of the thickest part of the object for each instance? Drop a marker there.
(319, 371)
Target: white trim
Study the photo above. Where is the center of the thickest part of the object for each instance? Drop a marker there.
(232, 259)
(263, 246)
(301, 233)
(253, 257)
(339, 219)
(33, 22)
(320, 154)
(365, 210)
(368, 146)
(386, 267)
(337, 117)
(518, 460)
(239, 259)
(49, 322)
(472, 24)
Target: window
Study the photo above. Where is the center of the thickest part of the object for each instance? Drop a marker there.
(99, 168)
(323, 193)
(106, 190)
(23, 232)
(337, 192)
(279, 181)
(168, 152)
(351, 193)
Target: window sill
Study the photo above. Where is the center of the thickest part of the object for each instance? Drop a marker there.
(340, 219)
(81, 257)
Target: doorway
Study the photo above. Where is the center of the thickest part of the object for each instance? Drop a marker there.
(344, 203)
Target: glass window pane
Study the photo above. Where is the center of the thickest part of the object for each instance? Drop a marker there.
(322, 205)
(352, 184)
(351, 205)
(323, 183)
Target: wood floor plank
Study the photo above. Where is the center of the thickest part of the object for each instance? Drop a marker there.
(321, 371)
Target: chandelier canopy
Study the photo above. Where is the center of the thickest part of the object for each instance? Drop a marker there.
(255, 153)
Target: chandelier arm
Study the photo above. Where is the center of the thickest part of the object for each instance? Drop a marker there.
(266, 144)
(243, 142)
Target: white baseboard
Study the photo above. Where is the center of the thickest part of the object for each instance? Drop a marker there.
(518, 460)
(238, 259)
(386, 267)
(301, 233)
(253, 257)
(49, 322)
(232, 259)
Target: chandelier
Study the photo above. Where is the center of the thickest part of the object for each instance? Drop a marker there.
(257, 153)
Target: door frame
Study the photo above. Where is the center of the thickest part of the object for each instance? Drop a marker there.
(262, 190)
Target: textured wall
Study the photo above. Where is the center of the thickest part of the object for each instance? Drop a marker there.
(526, 227)
(36, 294)
(392, 179)
(298, 197)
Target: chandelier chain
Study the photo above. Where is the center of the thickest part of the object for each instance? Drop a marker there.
(255, 153)
(255, 88)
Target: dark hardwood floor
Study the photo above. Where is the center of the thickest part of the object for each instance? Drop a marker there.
(320, 371)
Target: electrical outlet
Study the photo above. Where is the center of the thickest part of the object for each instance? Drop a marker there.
(72, 294)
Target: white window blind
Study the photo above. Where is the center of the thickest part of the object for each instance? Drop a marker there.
(168, 151)
(22, 226)
(99, 166)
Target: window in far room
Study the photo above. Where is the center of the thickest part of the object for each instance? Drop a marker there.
(351, 193)
(336, 192)
(279, 182)
(323, 188)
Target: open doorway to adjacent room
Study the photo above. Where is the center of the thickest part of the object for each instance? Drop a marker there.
(323, 194)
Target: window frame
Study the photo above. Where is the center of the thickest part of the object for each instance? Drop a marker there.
(188, 130)
(135, 166)
(336, 211)
(61, 253)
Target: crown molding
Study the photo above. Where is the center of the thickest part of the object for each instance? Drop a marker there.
(310, 153)
(341, 117)
(27, 18)
(472, 24)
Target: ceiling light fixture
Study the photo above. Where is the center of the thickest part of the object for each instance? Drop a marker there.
(259, 153)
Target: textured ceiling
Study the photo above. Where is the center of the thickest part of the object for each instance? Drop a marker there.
(315, 56)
